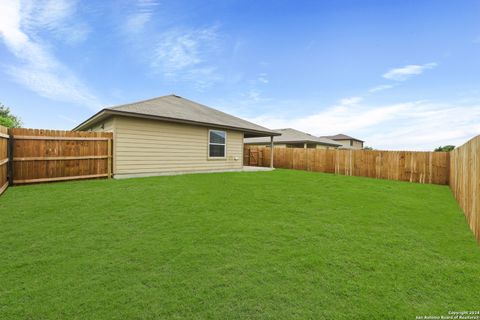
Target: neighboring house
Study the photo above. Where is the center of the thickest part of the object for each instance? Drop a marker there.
(291, 138)
(347, 141)
(170, 134)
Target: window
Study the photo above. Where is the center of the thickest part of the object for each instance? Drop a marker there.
(351, 143)
(217, 144)
(291, 145)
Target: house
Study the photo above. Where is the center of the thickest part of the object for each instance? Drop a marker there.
(347, 142)
(171, 134)
(291, 138)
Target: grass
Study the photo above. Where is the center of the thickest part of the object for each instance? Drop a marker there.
(278, 245)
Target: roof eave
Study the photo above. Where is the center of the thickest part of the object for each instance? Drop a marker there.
(93, 119)
(340, 139)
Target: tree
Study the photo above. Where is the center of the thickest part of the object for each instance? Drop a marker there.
(7, 119)
(367, 148)
(446, 148)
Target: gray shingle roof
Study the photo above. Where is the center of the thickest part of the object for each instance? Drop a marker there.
(290, 135)
(342, 136)
(178, 109)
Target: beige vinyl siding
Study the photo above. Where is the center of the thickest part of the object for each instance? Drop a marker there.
(355, 144)
(344, 143)
(107, 126)
(324, 147)
(145, 146)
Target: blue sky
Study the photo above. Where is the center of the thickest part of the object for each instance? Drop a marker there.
(398, 74)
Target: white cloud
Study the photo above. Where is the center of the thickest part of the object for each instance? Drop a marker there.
(38, 69)
(402, 74)
(263, 78)
(184, 54)
(414, 125)
(250, 97)
(201, 77)
(381, 88)
(56, 17)
(135, 22)
(254, 94)
(54, 84)
(429, 125)
(339, 118)
(350, 101)
(181, 49)
(418, 125)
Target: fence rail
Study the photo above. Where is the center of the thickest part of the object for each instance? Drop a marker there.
(37, 155)
(465, 181)
(422, 167)
(54, 155)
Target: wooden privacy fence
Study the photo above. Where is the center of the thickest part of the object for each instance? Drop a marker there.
(465, 181)
(4, 145)
(422, 167)
(37, 155)
(52, 155)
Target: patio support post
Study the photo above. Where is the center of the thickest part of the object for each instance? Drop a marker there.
(271, 151)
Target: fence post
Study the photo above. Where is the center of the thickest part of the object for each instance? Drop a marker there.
(11, 145)
(306, 155)
(109, 159)
(271, 151)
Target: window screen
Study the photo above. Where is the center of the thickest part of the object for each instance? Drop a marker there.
(216, 144)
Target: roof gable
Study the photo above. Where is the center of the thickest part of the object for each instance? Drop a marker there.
(289, 135)
(342, 136)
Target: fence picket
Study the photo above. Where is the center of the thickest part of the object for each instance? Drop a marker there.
(465, 181)
(55, 155)
(422, 167)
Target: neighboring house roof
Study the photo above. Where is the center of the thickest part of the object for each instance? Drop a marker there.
(342, 136)
(289, 135)
(173, 108)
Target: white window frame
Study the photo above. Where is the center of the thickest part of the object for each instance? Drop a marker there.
(217, 144)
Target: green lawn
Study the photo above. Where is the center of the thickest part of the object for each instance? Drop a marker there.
(279, 245)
